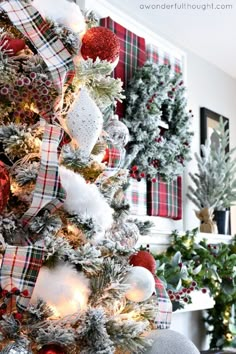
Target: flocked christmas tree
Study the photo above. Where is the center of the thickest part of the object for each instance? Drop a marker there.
(215, 182)
(66, 282)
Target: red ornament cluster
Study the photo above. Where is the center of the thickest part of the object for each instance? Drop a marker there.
(33, 88)
(6, 296)
(100, 42)
(4, 186)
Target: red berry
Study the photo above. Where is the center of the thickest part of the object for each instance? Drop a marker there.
(2, 312)
(192, 288)
(185, 299)
(25, 293)
(172, 297)
(170, 292)
(18, 316)
(184, 290)
(13, 290)
(194, 283)
(204, 290)
(4, 293)
(177, 297)
(180, 265)
(154, 180)
(142, 174)
(209, 246)
(188, 291)
(134, 168)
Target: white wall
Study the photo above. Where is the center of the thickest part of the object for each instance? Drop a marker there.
(208, 87)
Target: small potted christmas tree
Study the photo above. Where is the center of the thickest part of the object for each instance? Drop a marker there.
(215, 181)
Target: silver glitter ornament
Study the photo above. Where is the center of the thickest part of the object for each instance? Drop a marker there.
(18, 347)
(118, 131)
(127, 233)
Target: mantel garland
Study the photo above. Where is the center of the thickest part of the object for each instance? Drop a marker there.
(158, 121)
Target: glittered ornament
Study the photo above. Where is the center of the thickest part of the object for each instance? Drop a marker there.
(143, 259)
(84, 122)
(100, 42)
(19, 347)
(141, 284)
(51, 349)
(118, 131)
(4, 186)
(127, 233)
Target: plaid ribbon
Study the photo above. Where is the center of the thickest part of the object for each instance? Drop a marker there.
(132, 54)
(31, 24)
(136, 196)
(158, 56)
(20, 268)
(164, 306)
(48, 193)
(115, 156)
(165, 198)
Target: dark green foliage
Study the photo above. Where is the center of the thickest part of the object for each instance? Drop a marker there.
(205, 265)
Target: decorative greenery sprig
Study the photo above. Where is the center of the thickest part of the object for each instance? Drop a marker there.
(188, 265)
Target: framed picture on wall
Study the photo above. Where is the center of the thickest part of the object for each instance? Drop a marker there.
(208, 121)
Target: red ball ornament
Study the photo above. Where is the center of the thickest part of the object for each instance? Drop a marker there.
(143, 259)
(100, 42)
(13, 44)
(4, 186)
(51, 349)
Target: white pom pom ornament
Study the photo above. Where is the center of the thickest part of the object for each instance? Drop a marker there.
(63, 288)
(84, 122)
(85, 199)
(62, 11)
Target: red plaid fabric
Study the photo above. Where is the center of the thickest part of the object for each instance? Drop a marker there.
(115, 156)
(20, 268)
(165, 198)
(158, 56)
(164, 306)
(136, 196)
(48, 193)
(132, 54)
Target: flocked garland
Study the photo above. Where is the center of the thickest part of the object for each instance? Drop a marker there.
(158, 121)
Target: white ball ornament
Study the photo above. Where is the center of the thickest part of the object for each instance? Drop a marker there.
(142, 284)
(84, 122)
